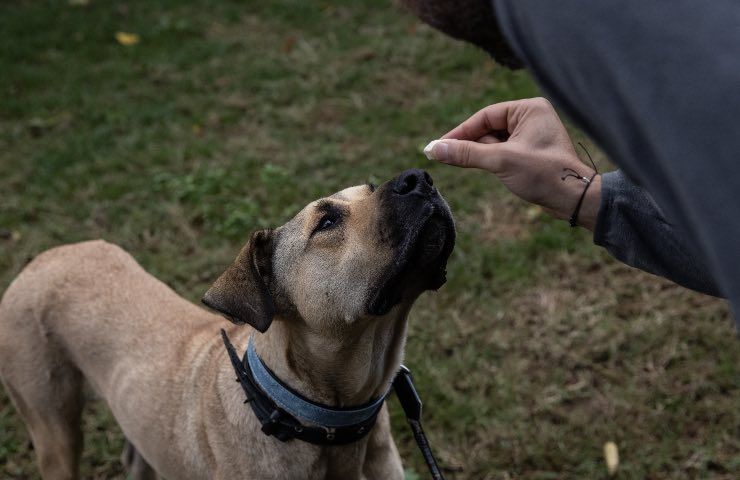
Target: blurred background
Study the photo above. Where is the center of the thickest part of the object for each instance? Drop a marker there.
(175, 128)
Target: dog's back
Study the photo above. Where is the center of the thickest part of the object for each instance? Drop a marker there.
(61, 313)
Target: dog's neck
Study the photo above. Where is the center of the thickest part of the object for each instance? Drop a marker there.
(339, 369)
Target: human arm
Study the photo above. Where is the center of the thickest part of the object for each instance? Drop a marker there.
(634, 230)
(526, 146)
(657, 88)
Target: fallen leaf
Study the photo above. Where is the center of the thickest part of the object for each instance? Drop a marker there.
(12, 235)
(611, 457)
(127, 39)
(534, 212)
(288, 44)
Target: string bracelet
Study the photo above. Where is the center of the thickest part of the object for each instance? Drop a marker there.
(573, 220)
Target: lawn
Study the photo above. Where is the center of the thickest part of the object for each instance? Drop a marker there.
(228, 116)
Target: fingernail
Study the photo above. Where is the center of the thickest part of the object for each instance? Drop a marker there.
(436, 150)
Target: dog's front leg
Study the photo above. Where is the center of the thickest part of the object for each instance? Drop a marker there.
(382, 459)
(136, 467)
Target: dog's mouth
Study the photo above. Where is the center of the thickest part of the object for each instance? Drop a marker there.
(421, 261)
(433, 240)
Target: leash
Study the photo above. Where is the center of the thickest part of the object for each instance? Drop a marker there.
(280, 414)
(411, 403)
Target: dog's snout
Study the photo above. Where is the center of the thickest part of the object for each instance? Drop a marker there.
(413, 181)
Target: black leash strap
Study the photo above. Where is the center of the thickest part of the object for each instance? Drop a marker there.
(411, 404)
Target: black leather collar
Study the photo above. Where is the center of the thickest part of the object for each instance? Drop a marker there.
(277, 422)
(282, 425)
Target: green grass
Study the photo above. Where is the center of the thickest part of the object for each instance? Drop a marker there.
(228, 116)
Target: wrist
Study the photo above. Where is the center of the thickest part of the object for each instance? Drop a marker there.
(589, 210)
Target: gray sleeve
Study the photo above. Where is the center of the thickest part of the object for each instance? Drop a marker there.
(634, 230)
(658, 92)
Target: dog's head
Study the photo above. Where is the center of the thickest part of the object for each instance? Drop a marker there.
(362, 253)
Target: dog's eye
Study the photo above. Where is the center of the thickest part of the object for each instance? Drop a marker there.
(328, 221)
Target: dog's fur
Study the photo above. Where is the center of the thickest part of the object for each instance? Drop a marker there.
(332, 304)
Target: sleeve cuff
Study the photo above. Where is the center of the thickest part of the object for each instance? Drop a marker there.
(611, 184)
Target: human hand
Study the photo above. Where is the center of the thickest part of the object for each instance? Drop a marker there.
(527, 147)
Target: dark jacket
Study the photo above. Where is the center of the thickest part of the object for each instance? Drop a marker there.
(657, 86)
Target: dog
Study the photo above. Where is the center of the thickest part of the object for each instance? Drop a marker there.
(324, 298)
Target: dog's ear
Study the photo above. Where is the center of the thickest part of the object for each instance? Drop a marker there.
(241, 293)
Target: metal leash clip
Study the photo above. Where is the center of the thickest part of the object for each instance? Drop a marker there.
(407, 395)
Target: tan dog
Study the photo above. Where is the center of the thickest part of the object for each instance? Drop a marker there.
(334, 285)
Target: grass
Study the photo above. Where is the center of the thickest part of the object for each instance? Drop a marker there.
(227, 117)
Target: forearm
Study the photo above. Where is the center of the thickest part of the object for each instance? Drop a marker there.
(633, 229)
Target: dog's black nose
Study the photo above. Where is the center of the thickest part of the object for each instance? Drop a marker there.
(413, 181)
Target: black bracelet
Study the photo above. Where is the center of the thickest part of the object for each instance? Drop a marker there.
(572, 173)
(574, 218)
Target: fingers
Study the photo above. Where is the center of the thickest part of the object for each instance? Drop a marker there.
(489, 139)
(498, 118)
(483, 122)
(466, 154)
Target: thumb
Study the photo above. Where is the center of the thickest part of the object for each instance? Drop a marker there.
(464, 153)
